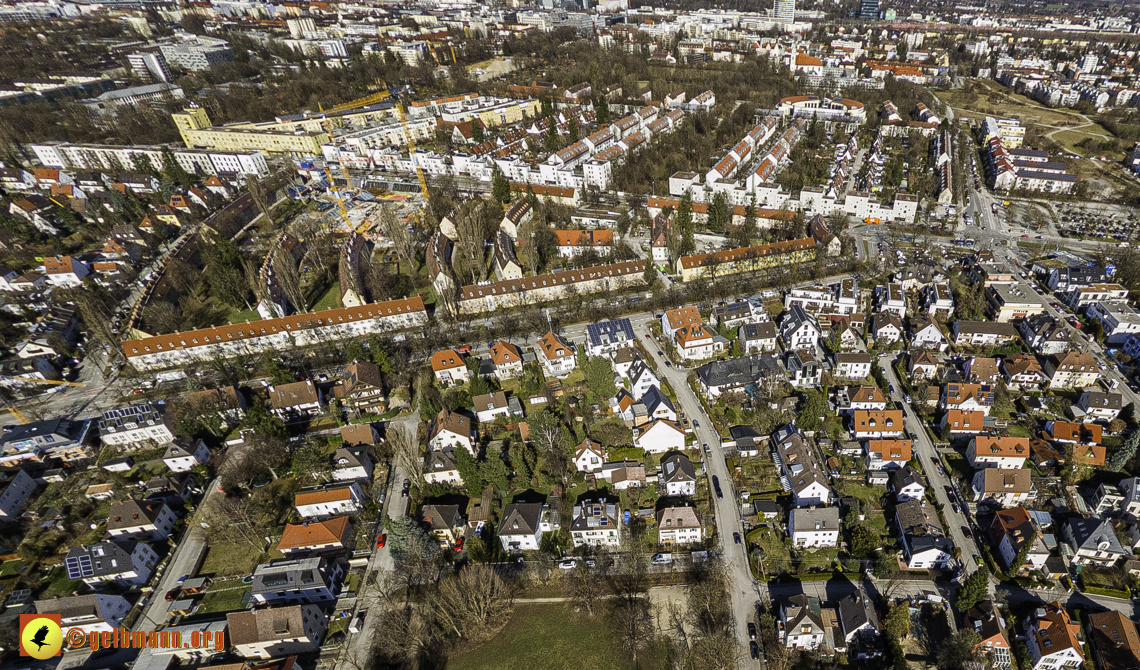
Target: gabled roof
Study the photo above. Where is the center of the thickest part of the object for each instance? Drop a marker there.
(678, 468)
(286, 396)
(313, 533)
(447, 359)
(520, 519)
(1000, 481)
(891, 450)
(336, 494)
(505, 353)
(1055, 631)
(1002, 447)
(131, 514)
(266, 625)
(453, 422)
(555, 347)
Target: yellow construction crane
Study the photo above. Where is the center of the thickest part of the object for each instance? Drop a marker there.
(412, 148)
(53, 382)
(361, 102)
(328, 173)
(18, 414)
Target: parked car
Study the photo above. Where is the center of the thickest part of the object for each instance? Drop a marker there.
(754, 649)
(751, 631)
(173, 594)
(380, 541)
(736, 538)
(459, 545)
(568, 564)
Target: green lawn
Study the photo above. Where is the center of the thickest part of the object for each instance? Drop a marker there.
(869, 494)
(553, 638)
(226, 560)
(223, 596)
(1017, 430)
(330, 300)
(11, 568)
(243, 315)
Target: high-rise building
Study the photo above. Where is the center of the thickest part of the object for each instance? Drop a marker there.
(869, 10)
(1090, 63)
(150, 65)
(784, 11)
(301, 27)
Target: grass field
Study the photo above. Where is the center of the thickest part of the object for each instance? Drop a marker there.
(330, 300)
(553, 638)
(243, 315)
(224, 560)
(224, 596)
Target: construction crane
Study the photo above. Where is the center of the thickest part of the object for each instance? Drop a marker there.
(361, 102)
(18, 414)
(53, 382)
(411, 147)
(328, 173)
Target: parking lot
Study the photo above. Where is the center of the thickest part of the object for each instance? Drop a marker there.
(1095, 220)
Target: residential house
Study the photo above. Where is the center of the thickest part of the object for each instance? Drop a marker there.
(924, 366)
(926, 334)
(506, 261)
(1013, 529)
(62, 439)
(983, 333)
(800, 329)
(1100, 407)
(658, 406)
(489, 406)
(803, 370)
(352, 464)
(660, 436)
(924, 541)
(987, 622)
(756, 338)
(142, 423)
(801, 624)
(982, 370)
(449, 430)
(641, 379)
(1022, 371)
(679, 526)
(276, 631)
(297, 580)
(676, 319)
(93, 613)
(520, 528)
(1068, 432)
(697, 342)
(440, 468)
(1007, 453)
(888, 454)
(607, 337)
(361, 389)
(891, 299)
(299, 399)
(360, 435)
(1044, 335)
(859, 624)
(1053, 639)
(183, 453)
(814, 528)
(623, 475)
(1011, 302)
(963, 422)
(1093, 541)
(1114, 641)
(589, 456)
(228, 402)
(329, 501)
(449, 368)
(852, 366)
(678, 476)
(800, 472)
(939, 301)
(507, 360)
(737, 374)
(1003, 487)
(906, 483)
(967, 397)
(734, 314)
(65, 271)
(15, 490)
(869, 398)
(868, 425)
(886, 328)
(332, 535)
(443, 523)
(1075, 369)
(557, 355)
(146, 520)
(124, 563)
(596, 523)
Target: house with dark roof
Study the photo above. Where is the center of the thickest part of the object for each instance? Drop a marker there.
(276, 631)
(352, 464)
(924, 541)
(520, 527)
(678, 475)
(94, 613)
(800, 623)
(987, 622)
(607, 337)
(297, 580)
(124, 563)
(55, 438)
(146, 520)
(1093, 542)
(440, 468)
(737, 374)
(182, 454)
(361, 389)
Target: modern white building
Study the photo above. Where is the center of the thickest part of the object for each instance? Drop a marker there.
(814, 528)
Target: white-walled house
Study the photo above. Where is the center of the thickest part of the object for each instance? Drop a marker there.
(556, 354)
(183, 454)
(1053, 640)
(678, 476)
(93, 613)
(589, 456)
(124, 563)
(660, 436)
(814, 528)
(329, 501)
(145, 520)
(521, 527)
(450, 430)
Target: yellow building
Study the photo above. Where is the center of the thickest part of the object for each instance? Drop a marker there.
(510, 113)
(194, 126)
(757, 257)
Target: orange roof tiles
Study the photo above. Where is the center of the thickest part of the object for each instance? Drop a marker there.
(314, 533)
(448, 359)
(891, 450)
(325, 496)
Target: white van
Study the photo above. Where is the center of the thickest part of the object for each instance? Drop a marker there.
(662, 559)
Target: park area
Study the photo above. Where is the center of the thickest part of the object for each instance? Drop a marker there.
(553, 637)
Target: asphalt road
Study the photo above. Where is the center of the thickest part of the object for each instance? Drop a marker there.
(745, 591)
(926, 453)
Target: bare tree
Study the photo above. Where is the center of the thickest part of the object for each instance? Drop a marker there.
(252, 271)
(289, 278)
(260, 195)
(402, 236)
(584, 588)
(471, 603)
(631, 627)
(406, 452)
(405, 635)
(472, 239)
(229, 520)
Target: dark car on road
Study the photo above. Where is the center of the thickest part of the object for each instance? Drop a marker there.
(754, 649)
(751, 631)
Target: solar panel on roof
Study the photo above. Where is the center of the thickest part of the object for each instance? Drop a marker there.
(79, 567)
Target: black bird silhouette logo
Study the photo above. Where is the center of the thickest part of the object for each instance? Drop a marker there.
(39, 637)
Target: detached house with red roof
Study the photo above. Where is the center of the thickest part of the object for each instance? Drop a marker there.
(571, 243)
(1052, 639)
(449, 368)
(313, 536)
(987, 622)
(507, 359)
(556, 354)
(998, 452)
(65, 271)
(329, 501)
